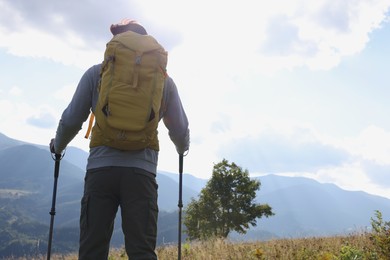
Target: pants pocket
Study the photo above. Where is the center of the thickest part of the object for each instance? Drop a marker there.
(153, 215)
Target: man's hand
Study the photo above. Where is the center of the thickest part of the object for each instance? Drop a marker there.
(52, 150)
(184, 146)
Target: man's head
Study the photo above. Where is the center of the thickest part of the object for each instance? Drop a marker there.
(127, 25)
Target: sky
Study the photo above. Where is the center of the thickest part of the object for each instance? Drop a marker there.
(295, 88)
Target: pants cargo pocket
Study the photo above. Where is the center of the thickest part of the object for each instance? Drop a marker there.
(153, 215)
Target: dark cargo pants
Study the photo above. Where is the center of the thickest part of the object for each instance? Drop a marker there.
(135, 191)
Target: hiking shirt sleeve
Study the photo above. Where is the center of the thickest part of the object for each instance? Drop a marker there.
(77, 111)
(175, 118)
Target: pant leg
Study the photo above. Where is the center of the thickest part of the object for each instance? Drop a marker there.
(98, 209)
(139, 213)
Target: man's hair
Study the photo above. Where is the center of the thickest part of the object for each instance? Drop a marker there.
(129, 25)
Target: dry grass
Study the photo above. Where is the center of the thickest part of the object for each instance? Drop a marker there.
(289, 249)
(356, 246)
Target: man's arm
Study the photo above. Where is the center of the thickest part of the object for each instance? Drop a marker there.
(77, 111)
(175, 118)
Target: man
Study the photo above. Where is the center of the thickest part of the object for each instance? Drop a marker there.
(117, 178)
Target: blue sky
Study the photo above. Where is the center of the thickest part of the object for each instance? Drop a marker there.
(297, 88)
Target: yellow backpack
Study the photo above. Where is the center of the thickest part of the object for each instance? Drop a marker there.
(130, 92)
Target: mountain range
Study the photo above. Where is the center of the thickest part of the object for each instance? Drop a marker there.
(302, 206)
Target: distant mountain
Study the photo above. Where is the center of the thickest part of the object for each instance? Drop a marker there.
(6, 142)
(29, 171)
(77, 157)
(303, 207)
(189, 180)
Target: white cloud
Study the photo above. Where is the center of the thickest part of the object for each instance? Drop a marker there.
(316, 34)
(42, 120)
(373, 143)
(319, 33)
(14, 124)
(22, 38)
(272, 151)
(70, 50)
(266, 40)
(15, 91)
(66, 92)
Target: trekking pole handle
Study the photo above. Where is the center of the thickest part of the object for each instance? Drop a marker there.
(57, 156)
(181, 163)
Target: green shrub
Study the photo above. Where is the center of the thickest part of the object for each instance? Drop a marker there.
(348, 253)
(380, 235)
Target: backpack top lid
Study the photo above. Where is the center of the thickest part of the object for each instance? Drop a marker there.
(127, 25)
(136, 42)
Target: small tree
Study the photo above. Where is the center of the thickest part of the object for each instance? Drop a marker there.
(225, 204)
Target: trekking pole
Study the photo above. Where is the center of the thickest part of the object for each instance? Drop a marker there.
(180, 204)
(57, 158)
